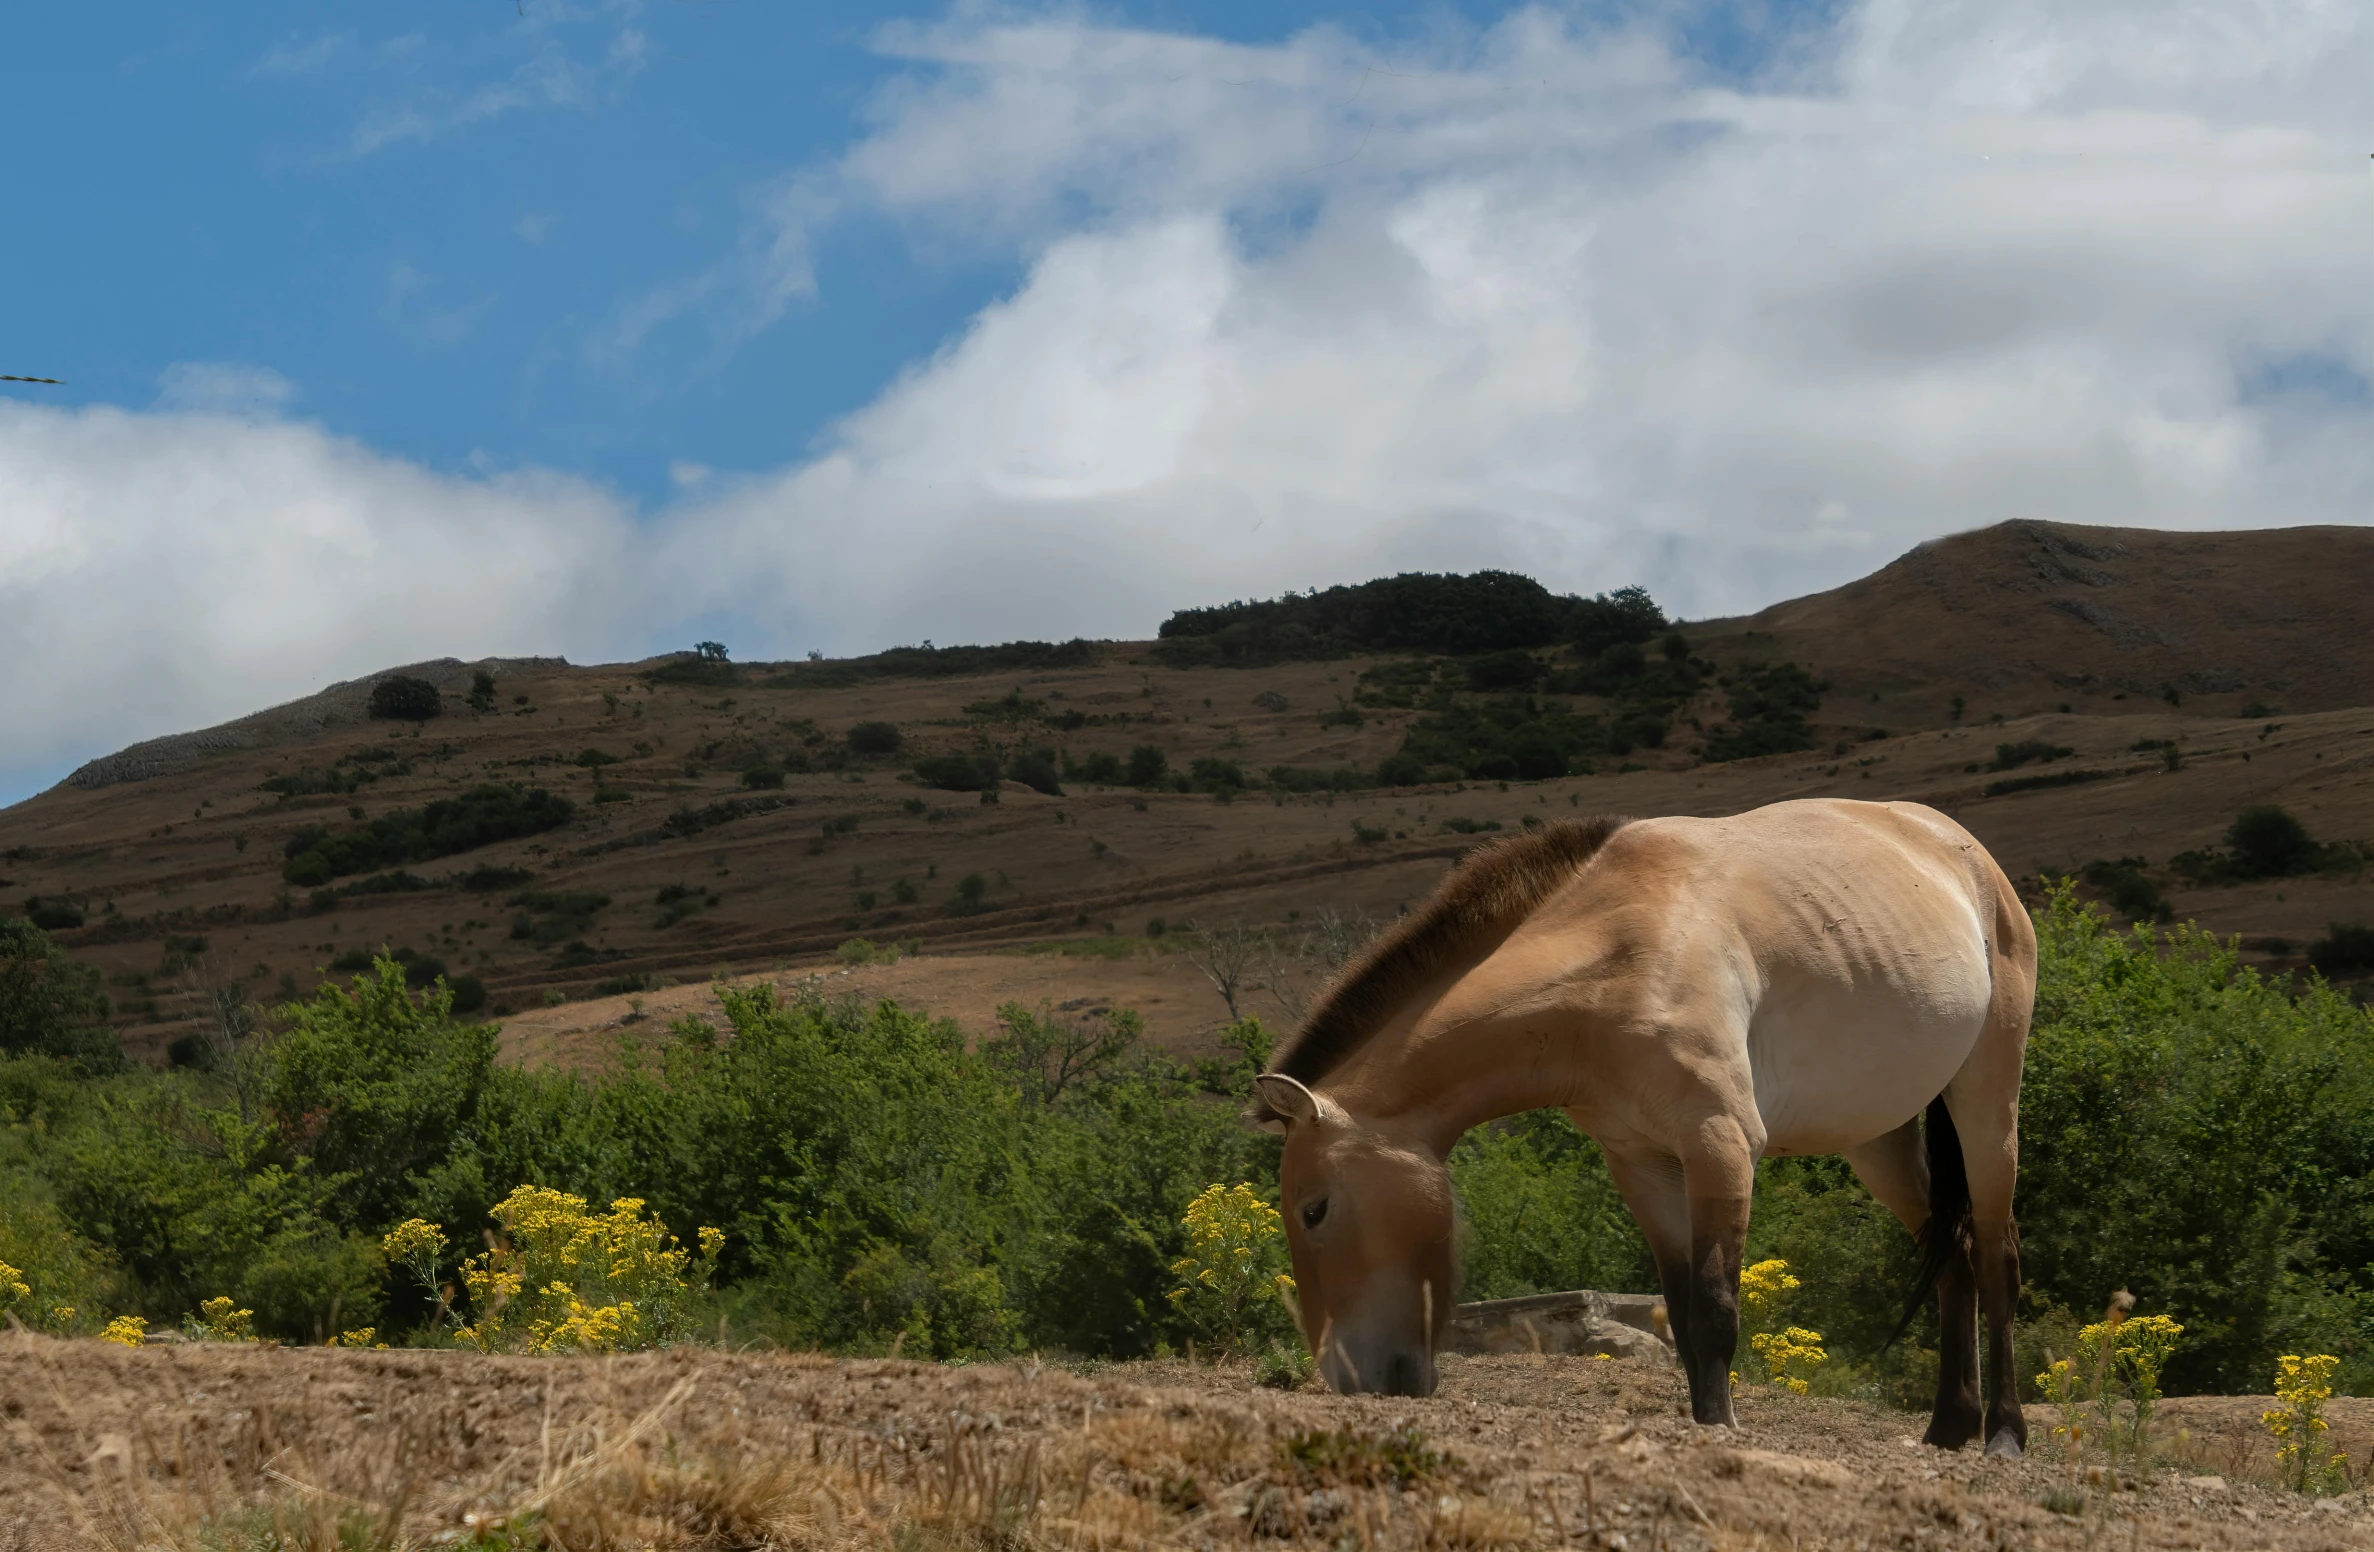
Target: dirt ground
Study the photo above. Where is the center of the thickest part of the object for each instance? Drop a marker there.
(191, 1446)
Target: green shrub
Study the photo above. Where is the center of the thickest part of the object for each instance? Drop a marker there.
(53, 915)
(402, 697)
(957, 772)
(479, 817)
(1148, 767)
(1098, 770)
(762, 776)
(1769, 707)
(2130, 893)
(1514, 669)
(2268, 841)
(875, 738)
(1035, 769)
(2010, 784)
(50, 1005)
(2346, 950)
(2010, 757)
(1417, 611)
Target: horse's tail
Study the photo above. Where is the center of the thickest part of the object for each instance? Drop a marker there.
(1948, 1232)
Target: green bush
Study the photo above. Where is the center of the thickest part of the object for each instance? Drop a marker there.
(404, 698)
(1035, 769)
(50, 1005)
(2346, 950)
(53, 915)
(957, 772)
(1148, 767)
(479, 817)
(1416, 611)
(1769, 707)
(2191, 1131)
(762, 776)
(875, 738)
(2010, 757)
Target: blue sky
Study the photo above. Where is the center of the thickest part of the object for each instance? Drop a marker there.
(434, 221)
(491, 328)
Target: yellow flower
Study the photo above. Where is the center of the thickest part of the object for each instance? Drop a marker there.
(12, 1284)
(1761, 1285)
(1792, 1357)
(128, 1330)
(222, 1323)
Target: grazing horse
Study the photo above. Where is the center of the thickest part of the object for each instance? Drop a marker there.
(1696, 994)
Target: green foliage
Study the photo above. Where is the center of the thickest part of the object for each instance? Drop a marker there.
(479, 817)
(1769, 705)
(548, 916)
(1035, 769)
(404, 698)
(1542, 1214)
(49, 1004)
(2010, 757)
(1515, 738)
(875, 738)
(2193, 1133)
(2130, 892)
(1148, 767)
(762, 775)
(53, 915)
(958, 772)
(2010, 784)
(2270, 842)
(482, 691)
(2347, 950)
(1414, 612)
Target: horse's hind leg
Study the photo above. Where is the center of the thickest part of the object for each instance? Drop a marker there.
(1894, 1169)
(1985, 1104)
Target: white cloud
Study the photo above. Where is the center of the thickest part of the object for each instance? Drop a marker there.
(1303, 313)
(171, 570)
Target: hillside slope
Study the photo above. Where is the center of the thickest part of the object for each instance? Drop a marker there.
(674, 865)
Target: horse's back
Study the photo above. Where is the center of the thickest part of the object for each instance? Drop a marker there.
(1855, 943)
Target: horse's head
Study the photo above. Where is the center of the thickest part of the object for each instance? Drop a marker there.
(1370, 1224)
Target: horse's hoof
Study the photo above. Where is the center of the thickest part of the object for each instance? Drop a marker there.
(2006, 1444)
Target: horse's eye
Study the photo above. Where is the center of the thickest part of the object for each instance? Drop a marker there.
(1314, 1213)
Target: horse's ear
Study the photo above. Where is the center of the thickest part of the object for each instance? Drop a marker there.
(1280, 1101)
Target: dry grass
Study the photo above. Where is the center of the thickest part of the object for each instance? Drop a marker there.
(206, 1449)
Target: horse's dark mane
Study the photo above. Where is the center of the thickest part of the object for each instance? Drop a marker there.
(1487, 894)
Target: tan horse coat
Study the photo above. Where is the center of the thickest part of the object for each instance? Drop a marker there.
(1696, 994)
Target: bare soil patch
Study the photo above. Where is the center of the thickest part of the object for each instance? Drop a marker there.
(109, 1446)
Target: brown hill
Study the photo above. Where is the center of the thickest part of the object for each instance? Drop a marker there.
(673, 868)
(2032, 614)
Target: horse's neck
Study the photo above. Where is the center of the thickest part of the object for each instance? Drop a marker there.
(1431, 1082)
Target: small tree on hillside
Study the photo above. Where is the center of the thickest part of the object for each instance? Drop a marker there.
(1226, 956)
(402, 697)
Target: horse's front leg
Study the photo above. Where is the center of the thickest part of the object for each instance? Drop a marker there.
(1693, 1210)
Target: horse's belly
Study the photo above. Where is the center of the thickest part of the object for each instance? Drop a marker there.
(1835, 1066)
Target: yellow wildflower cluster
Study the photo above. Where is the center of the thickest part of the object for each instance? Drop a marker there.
(218, 1321)
(2063, 1385)
(1760, 1289)
(1791, 1357)
(367, 1336)
(126, 1330)
(12, 1285)
(562, 1277)
(2304, 1385)
(1232, 1235)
